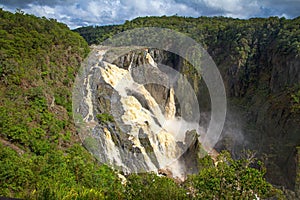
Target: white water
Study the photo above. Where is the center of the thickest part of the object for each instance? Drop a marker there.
(111, 150)
(163, 130)
(171, 107)
(88, 100)
(136, 116)
(150, 60)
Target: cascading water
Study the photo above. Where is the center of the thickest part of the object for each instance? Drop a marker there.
(143, 135)
(171, 107)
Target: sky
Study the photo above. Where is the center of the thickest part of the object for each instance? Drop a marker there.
(77, 13)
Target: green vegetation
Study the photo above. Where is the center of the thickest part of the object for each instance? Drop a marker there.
(151, 186)
(241, 35)
(231, 179)
(39, 59)
(74, 175)
(69, 174)
(105, 117)
(296, 101)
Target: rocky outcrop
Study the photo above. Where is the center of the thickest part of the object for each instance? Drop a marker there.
(193, 153)
(128, 110)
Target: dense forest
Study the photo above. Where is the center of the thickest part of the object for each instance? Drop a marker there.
(41, 156)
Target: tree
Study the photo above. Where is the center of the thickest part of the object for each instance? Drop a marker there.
(230, 179)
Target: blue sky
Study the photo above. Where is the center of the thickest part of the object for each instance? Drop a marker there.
(76, 13)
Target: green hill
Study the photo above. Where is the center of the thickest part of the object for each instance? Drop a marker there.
(40, 152)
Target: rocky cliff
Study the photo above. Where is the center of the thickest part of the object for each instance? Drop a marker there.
(128, 117)
(259, 88)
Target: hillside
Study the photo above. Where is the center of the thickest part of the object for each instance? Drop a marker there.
(40, 152)
(41, 155)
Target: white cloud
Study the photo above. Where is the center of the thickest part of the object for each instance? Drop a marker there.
(99, 12)
(41, 10)
(234, 8)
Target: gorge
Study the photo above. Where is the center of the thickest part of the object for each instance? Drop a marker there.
(147, 131)
(259, 63)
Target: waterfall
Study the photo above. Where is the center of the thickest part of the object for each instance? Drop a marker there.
(144, 137)
(150, 60)
(88, 100)
(138, 117)
(111, 150)
(170, 107)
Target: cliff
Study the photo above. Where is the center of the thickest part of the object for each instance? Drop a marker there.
(128, 116)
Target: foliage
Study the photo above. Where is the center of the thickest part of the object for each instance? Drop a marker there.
(296, 101)
(56, 175)
(151, 186)
(211, 31)
(39, 59)
(230, 179)
(105, 117)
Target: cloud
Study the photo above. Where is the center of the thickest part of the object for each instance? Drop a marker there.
(246, 8)
(289, 8)
(26, 3)
(234, 8)
(77, 13)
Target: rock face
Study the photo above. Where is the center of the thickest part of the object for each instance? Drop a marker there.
(259, 88)
(297, 182)
(128, 115)
(259, 102)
